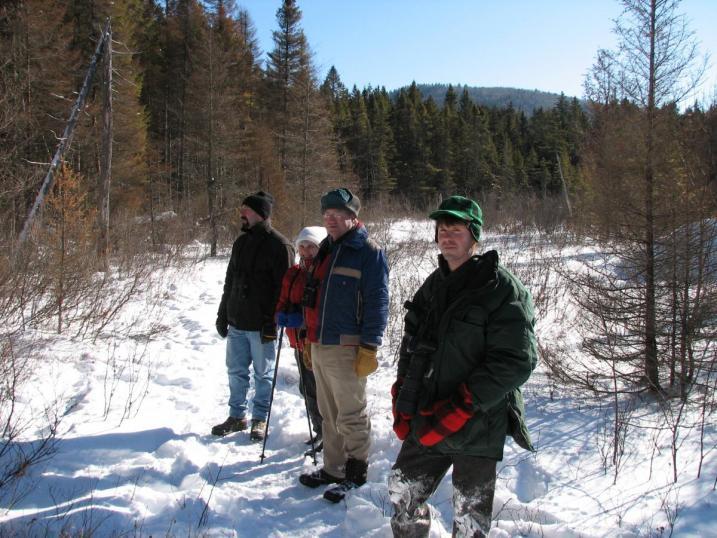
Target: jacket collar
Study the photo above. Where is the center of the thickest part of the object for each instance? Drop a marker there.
(263, 227)
(354, 238)
(475, 272)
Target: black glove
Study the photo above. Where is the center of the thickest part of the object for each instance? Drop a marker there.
(222, 327)
(268, 332)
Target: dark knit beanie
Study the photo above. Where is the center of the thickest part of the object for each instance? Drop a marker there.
(261, 202)
(341, 199)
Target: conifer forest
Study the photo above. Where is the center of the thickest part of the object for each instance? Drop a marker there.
(200, 120)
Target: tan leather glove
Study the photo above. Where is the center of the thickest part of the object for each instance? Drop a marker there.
(306, 355)
(365, 362)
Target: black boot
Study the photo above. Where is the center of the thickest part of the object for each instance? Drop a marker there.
(318, 478)
(356, 471)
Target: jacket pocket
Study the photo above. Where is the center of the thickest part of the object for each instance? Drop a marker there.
(467, 340)
(343, 295)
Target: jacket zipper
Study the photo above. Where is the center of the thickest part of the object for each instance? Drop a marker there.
(326, 294)
(445, 320)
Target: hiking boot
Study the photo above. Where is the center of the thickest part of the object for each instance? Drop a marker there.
(258, 428)
(318, 478)
(232, 424)
(356, 471)
(313, 451)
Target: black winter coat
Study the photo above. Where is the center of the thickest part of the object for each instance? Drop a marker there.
(259, 259)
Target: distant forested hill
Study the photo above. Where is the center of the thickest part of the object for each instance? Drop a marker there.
(525, 100)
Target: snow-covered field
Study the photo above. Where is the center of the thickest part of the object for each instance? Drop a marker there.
(135, 457)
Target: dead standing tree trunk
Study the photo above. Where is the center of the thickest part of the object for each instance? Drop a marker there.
(103, 192)
(66, 139)
(211, 183)
(652, 377)
(653, 68)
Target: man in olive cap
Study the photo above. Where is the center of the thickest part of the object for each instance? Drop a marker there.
(259, 259)
(467, 348)
(346, 313)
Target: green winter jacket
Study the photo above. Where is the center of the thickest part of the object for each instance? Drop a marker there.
(475, 325)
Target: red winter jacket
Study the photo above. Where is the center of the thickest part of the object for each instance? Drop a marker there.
(292, 288)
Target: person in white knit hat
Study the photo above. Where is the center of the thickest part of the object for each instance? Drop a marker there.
(289, 314)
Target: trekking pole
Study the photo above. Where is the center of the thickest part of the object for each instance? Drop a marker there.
(302, 387)
(271, 399)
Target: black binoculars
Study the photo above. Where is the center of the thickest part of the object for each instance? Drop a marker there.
(311, 289)
(407, 400)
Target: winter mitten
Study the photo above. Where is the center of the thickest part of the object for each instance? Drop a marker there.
(294, 320)
(365, 362)
(281, 319)
(400, 423)
(448, 417)
(222, 327)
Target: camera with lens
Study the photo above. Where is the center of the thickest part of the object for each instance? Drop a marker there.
(311, 289)
(407, 400)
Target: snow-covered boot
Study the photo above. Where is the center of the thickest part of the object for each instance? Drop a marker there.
(356, 472)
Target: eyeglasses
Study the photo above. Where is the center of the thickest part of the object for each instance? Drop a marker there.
(335, 215)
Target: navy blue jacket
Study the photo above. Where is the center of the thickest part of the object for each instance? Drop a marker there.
(352, 300)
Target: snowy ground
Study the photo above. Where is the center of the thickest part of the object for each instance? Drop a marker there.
(152, 468)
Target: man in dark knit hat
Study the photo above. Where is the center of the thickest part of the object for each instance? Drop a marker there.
(260, 257)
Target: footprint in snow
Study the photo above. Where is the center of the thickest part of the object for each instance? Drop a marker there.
(183, 405)
(531, 482)
(183, 382)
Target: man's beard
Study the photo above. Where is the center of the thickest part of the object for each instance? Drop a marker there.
(244, 224)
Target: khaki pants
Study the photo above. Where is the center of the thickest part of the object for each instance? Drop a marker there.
(342, 402)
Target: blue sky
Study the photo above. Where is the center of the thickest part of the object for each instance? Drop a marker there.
(535, 44)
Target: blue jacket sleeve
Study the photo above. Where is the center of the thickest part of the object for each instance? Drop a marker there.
(374, 296)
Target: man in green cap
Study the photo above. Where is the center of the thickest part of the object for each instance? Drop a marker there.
(467, 348)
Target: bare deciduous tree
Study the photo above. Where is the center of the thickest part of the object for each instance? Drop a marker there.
(655, 66)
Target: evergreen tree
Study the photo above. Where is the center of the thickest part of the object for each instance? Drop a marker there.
(336, 94)
(409, 167)
(287, 65)
(380, 151)
(299, 113)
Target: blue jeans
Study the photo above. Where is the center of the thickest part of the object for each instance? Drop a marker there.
(243, 349)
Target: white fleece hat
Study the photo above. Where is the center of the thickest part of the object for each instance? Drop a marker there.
(312, 234)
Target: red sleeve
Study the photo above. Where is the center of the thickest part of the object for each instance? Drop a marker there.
(285, 285)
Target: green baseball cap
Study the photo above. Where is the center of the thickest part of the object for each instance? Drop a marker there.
(461, 208)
